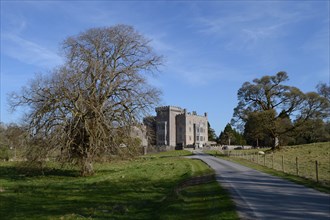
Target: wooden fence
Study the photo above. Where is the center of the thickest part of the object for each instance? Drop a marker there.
(307, 169)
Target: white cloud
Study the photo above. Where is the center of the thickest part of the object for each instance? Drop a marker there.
(28, 52)
(248, 27)
(207, 74)
(189, 66)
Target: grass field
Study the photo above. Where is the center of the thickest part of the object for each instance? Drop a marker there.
(150, 187)
(306, 156)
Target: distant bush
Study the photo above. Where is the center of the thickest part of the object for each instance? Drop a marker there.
(4, 153)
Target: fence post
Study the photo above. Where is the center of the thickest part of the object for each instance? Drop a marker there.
(317, 170)
(283, 163)
(297, 166)
(257, 158)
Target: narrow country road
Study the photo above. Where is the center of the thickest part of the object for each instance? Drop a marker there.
(261, 196)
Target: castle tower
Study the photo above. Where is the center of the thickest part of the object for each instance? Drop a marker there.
(166, 125)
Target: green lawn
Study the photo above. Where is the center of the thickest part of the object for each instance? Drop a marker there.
(149, 187)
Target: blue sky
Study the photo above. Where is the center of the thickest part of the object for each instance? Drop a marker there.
(210, 47)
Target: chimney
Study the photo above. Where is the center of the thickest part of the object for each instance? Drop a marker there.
(205, 114)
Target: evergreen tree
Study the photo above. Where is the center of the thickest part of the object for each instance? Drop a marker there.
(211, 133)
(231, 137)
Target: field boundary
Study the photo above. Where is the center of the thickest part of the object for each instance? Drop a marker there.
(291, 177)
(306, 170)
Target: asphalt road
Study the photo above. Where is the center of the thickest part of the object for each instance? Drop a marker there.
(261, 196)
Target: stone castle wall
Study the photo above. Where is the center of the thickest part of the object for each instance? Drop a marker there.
(177, 127)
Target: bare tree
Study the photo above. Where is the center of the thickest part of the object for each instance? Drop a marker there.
(86, 106)
(150, 123)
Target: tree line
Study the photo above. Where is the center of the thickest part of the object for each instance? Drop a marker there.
(270, 113)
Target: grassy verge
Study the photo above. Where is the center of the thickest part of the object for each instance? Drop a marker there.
(145, 188)
(305, 156)
(297, 179)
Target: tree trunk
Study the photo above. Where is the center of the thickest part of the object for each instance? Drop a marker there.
(276, 143)
(86, 167)
(257, 142)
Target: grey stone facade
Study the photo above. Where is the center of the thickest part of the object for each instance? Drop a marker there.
(179, 128)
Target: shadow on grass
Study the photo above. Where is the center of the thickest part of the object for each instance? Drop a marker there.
(98, 200)
(59, 197)
(14, 172)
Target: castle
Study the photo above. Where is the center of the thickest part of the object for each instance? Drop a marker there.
(174, 126)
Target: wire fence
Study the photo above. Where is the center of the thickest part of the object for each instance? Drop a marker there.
(310, 169)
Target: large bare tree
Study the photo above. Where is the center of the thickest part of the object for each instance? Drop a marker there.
(87, 105)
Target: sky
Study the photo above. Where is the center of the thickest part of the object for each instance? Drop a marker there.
(210, 47)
